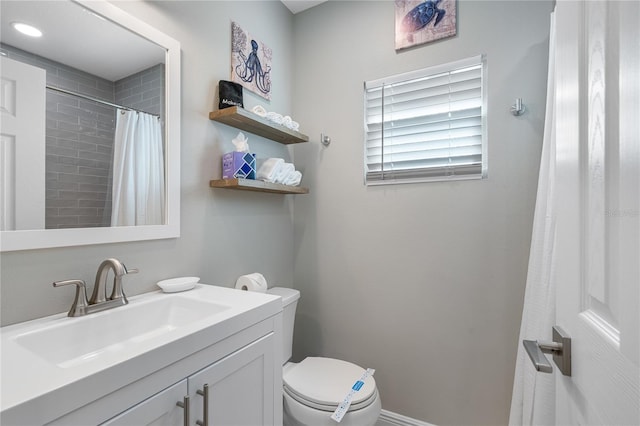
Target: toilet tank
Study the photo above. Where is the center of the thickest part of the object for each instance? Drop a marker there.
(289, 303)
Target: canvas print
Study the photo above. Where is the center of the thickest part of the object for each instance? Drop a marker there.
(419, 21)
(250, 62)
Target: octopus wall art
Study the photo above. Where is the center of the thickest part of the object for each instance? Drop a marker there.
(423, 21)
(250, 62)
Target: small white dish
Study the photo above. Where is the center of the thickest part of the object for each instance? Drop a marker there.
(174, 285)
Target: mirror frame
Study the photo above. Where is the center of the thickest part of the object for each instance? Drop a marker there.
(49, 238)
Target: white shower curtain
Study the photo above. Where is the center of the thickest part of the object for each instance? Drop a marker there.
(533, 398)
(138, 170)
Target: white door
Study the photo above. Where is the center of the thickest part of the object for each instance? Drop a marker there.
(22, 146)
(598, 225)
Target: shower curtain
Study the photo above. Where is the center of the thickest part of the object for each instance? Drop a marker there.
(533, 397)
(138, 170)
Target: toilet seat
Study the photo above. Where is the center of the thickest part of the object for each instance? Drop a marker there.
(323, 383)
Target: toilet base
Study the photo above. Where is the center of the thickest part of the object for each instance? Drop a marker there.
(296, 414)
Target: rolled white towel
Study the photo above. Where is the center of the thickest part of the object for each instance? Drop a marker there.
(286, 121)
(275, 117)
(295, 125)
(269, 170)
(284, 171)
(293, 178)
(259, 110)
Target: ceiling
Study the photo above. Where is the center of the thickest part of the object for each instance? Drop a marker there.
(297, 6)
(79, 38)
(75, 36)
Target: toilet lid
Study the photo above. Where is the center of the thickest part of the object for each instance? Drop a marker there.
(325, 382)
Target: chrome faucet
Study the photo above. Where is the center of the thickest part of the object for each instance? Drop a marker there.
(99, 300)
(99, 294)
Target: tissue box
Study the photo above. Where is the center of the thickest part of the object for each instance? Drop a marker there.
(238, 165)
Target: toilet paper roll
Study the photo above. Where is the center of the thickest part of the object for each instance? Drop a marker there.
(252, 282)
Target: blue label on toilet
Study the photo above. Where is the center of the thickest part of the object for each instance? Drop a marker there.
(346, 403)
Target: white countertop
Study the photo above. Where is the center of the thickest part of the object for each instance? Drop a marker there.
(33, 378)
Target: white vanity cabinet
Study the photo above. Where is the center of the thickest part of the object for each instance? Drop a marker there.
(160, 409)
(239, 390)
(240, 373)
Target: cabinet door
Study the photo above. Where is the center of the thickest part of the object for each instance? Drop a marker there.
(240, 387)
(159, 410)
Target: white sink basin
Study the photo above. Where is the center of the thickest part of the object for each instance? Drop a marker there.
(45, 360)
(89, 338)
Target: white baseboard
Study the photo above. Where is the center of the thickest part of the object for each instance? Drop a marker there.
(388, 418)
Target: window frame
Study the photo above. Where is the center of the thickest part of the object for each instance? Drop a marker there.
(436, 173)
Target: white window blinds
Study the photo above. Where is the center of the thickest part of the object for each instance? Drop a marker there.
(426, 124)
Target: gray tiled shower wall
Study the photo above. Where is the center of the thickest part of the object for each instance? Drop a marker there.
(79, 137)
(143, 90)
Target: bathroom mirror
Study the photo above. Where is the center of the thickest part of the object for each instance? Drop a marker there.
(110, 69)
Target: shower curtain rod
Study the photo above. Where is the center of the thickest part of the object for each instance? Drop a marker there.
(100, 101)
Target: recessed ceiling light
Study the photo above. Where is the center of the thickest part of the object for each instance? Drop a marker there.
(27, 29)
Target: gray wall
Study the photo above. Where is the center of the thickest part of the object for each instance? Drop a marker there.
(423, 282)
(223, 233)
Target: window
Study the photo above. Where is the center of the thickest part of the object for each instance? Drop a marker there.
(426, 124)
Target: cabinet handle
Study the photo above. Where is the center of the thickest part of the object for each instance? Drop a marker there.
(185, 405)
(205, 411)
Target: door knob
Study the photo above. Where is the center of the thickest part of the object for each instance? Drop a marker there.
(560, 348)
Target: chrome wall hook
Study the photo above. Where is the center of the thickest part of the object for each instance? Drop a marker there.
(325, 140)
(518, 108)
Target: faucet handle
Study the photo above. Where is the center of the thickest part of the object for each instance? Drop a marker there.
(80, 302)
(131, 270)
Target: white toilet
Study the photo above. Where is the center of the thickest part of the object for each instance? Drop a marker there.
(314, 387)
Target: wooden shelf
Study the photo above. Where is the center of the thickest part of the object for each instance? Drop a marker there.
(245, 120)
(257, 186)
(248, 121)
